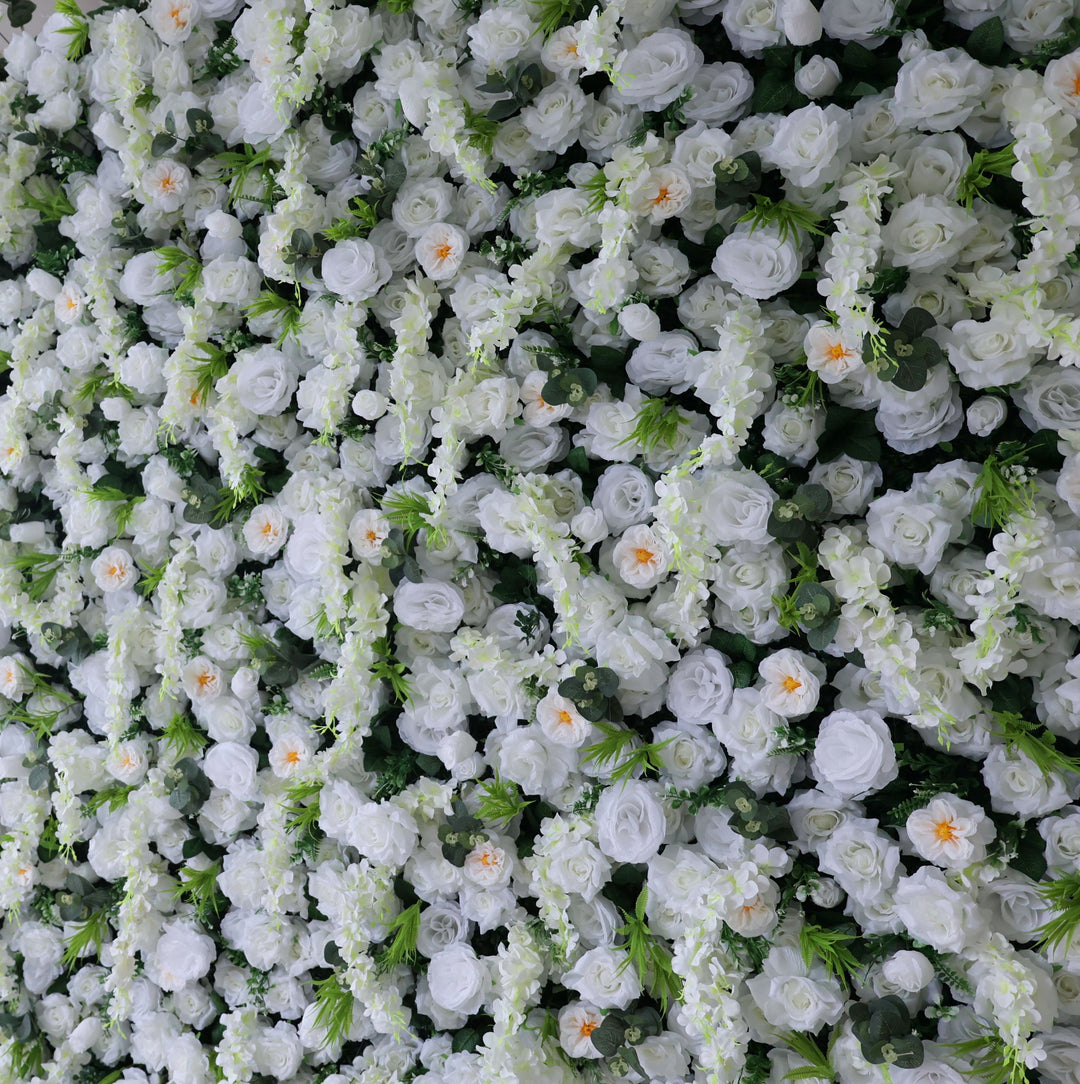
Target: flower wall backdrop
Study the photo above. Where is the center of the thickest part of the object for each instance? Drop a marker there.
(540, 542)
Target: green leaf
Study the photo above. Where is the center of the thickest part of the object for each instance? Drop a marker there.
(20, 12)
(849, 432)
(987, 40)
(774, 91)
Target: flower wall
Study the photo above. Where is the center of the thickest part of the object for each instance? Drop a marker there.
(540, 542)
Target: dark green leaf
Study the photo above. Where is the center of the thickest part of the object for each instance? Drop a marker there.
(987, 40)
(849, 432)
(20, 12)
(774, 91)
(503, 110)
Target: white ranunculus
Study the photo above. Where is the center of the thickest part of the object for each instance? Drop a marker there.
(630, 822)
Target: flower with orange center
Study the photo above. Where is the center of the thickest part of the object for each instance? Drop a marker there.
(950, 831)
(640, 557)
(488, 866)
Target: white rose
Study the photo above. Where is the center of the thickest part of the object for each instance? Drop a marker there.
(664, 364)
(554, 117)
(421, 203)
(738, 507)
(580, 867)
(908, 971)
(657, 68)
(355, 269)
(752, 25)
(384, 833)
(228, 281)
(700, 687)
(265, 380)
(458, 980)
(601, 977)
(853, 754)
(938, 91)
(850, 482)
(624, 495)
(801, 21)
(721, 93)
(910, 534)
(441, 925)
(758, 263)
(630, 822)
(927, 233)
(432, 606)
(863, 861)
(1050, 396)
(1017, 785)
(988, 353)
(810, 145)
(790, 996)
(937, 914)
(182, 955)
(233, 767)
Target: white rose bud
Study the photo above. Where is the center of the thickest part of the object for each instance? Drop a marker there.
(639, 322)
(908, 971)
(985, 415)
(818, 77)
(800, 21)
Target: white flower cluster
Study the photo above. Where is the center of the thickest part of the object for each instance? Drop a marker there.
(540, 542)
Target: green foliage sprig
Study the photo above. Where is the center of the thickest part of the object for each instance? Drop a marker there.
(648, 955)
(199, 887)
(402, 949)
(656, 423)
(787, 218)
(1034, 741)
(818, 1066)
(985, 166)
(334, 1008)
(500, 801)
(831, 947)
(1063, 895)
